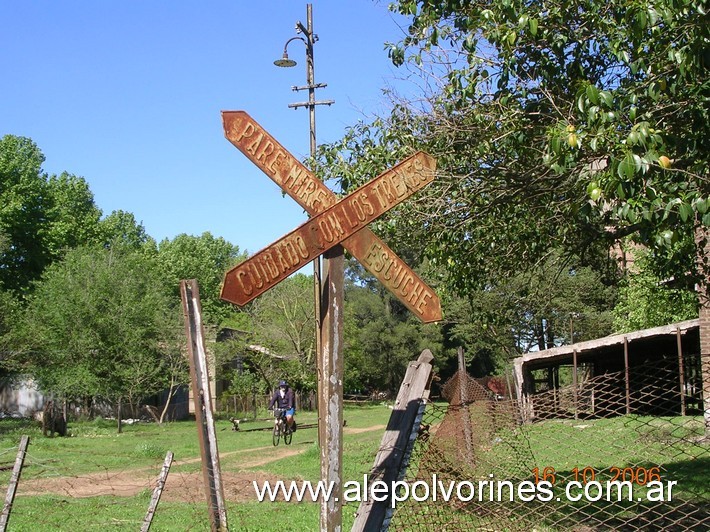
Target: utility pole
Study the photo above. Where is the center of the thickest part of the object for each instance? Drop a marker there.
(328, 283)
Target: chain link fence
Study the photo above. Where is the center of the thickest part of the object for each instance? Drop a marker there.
(595, 455)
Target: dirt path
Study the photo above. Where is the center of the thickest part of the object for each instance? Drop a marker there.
(186, 487)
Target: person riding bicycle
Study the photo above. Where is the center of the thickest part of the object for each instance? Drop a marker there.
(285, 399)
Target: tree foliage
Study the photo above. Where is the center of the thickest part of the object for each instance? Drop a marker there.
(74, 216)
(205, 258)
(9, 312)
(645, 300)
(40, 216)
(381, 336)
(97, 326)
(104, 319)
(534, 310)
(23, 209)
(120, 229)
(282, 320)
(556, 125)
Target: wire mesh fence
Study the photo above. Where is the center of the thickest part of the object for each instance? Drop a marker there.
(595, 455)
(81, 491)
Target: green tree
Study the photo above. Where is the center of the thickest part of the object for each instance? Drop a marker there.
(283, 321)
(98, 325)
(120, 229)
(40, 216)
(380, 335)
(72, 212)
(205, 258)
(9, 310)
(537, 309)
(23, 212)
(556, 125)
(645, 300)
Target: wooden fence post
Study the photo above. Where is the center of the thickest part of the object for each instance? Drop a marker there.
(14, 479)
(212, 475)
(388, 461)
(157, 492)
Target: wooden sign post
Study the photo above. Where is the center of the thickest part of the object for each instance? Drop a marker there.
(334, 225)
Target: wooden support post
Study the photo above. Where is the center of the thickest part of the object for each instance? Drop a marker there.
(509, 385)
(212, 475)
(681, 371)
(157, 492)
(317, 298)
(521, 381)
(465, 412)
(627, 378)
(574, 384)
(702, 243)
(14, 480)
(388, 461)
(331, 390)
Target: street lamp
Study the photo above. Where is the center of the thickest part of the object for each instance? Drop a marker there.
(308, 38)
(285, 61)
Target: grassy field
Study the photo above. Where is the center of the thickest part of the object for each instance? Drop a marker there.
(78, 468)
(673, 449)
(96, 478)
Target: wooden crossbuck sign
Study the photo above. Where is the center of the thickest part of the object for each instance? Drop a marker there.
(327, 229)
(333, 222)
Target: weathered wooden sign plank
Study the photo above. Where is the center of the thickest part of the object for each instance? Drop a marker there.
(331, 226)
(309, 192)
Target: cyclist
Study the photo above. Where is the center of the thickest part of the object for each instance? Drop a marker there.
(285, 399)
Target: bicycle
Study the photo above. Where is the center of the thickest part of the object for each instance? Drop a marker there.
(281, 428)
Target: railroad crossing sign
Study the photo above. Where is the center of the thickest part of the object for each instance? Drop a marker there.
(338, 222)
(333, 222)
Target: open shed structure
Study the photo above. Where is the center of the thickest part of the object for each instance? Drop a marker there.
(653, 371)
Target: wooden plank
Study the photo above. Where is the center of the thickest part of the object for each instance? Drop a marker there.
(371, 514)
(157, 492)
(327, 229)
(465, 412)
(330, 393)
(310, 193)
(190, 294)
(14, 480)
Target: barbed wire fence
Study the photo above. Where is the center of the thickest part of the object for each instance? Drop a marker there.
(82, 491)
(481, 446)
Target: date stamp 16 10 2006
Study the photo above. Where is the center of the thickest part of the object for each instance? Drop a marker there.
(593, 485)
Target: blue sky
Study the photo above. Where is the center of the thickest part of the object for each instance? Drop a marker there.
(128, 95)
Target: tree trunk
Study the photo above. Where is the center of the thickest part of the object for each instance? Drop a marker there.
(171, 392)
(540, 333)
(118, 417)
(550, 335)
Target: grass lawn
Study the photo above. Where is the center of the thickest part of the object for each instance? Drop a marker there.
(78, 468)
(96, 478)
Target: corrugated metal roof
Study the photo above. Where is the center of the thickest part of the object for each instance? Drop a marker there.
(581, 348)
